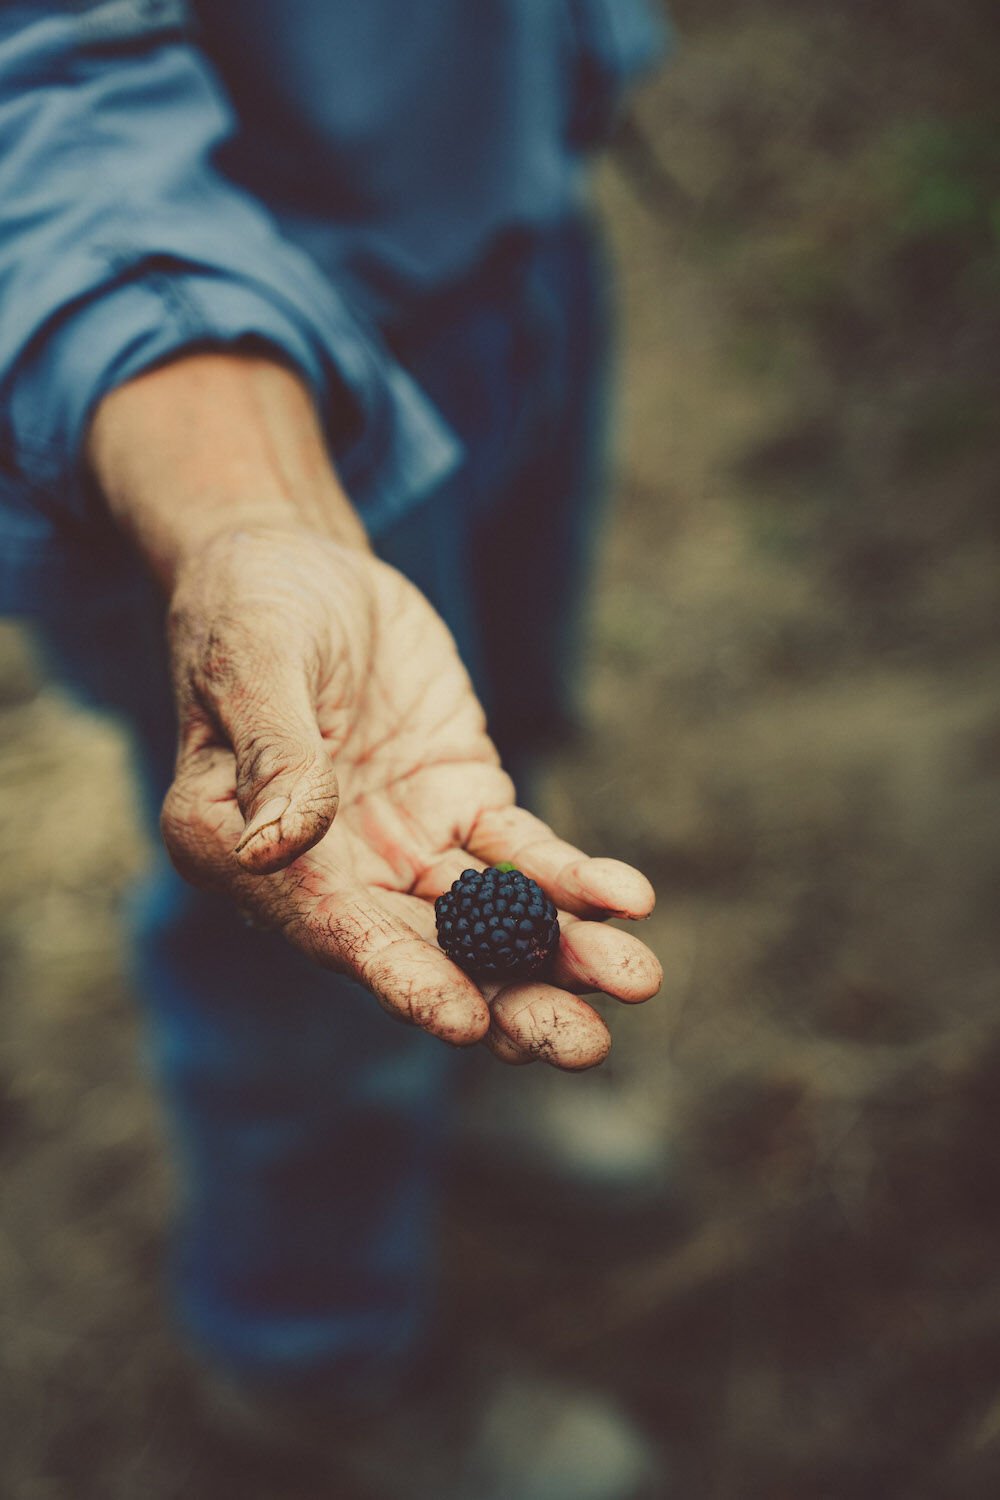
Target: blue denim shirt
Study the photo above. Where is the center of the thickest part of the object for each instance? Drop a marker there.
(286, 173)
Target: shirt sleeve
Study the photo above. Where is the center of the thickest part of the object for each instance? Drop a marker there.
(616, 41)
(121, 243)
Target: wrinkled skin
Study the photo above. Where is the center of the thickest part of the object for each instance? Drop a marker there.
(334, 775)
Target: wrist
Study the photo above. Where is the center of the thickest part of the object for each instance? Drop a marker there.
(214, 444)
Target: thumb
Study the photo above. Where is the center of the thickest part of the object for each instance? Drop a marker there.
(286, 786)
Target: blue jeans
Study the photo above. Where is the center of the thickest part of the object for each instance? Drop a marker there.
(310, 1131)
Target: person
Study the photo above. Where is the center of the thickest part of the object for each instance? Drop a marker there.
(302, 380)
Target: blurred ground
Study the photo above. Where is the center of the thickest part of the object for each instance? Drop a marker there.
(795, 730)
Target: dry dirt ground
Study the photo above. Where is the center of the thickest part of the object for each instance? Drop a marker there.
(794, 726)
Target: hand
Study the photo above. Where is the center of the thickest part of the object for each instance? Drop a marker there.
(334, 776)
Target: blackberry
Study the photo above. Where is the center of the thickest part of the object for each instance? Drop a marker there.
(497, 922)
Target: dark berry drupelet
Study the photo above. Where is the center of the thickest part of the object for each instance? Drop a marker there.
(497, 922)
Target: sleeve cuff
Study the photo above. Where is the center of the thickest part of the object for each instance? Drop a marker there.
(388, 442)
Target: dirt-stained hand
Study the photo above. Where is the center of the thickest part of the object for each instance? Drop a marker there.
(334, 775)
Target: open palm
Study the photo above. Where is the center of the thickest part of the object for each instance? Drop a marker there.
(335, 775)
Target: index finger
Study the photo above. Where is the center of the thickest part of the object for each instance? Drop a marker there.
(584, 886)
(322, 910)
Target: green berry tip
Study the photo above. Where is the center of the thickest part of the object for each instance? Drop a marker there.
(506, 867)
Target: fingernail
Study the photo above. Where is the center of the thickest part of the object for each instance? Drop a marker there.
(272, 812)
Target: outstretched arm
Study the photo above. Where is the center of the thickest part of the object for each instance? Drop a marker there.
(334, 772)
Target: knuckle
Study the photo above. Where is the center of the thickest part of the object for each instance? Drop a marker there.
(217, 658)
(272, 754)
(188, 827)
(176, 816)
